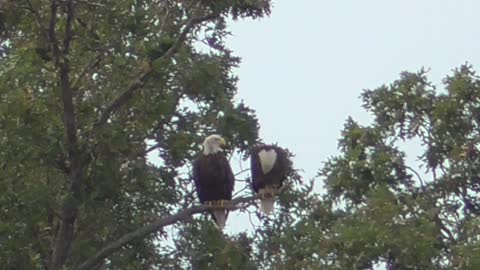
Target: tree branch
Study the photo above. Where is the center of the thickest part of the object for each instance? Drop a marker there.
(149, 149)
(422, 183)
(68, 108)
(241, 190)
(126, 95)
(242, 171)
(156, 225)
(69, 210)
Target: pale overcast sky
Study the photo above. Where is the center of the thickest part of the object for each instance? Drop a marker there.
(305, 66)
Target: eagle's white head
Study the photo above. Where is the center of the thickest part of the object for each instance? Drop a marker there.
(213, 144)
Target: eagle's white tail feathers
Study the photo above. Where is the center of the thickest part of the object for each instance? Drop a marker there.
(267, 159)
(220, 217)
(267, 199)
(266, 205)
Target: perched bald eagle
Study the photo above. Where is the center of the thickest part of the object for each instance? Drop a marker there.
(268, 165)
(213, 177)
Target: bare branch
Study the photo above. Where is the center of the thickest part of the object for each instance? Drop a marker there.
(242, 171)
(156, 225)
(241, 190)
(250, 218)
(126, 95)
(422, 183)
(150, 149)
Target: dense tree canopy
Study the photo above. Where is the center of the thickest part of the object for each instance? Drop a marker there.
(88, 89)
(378, 210)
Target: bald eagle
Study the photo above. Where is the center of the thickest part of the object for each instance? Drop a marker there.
(268, 165)
(213, 177)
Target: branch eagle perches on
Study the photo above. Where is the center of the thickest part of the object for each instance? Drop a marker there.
(156, 225)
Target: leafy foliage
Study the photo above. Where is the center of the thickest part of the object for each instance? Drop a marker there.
(379, 210)
(88, 89)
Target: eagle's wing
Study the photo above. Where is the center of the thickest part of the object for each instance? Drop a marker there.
(283, 163)
(196, 180)
(255, 169)
(228, 173)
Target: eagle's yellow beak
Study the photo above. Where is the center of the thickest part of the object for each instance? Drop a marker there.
(223, 142)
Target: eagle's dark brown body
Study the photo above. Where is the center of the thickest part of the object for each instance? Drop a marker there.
(214, 179)
(269, 167)
(276, 175)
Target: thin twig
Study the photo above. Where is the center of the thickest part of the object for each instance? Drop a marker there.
(241, 190)
(240, 165)
(250, 219)
(422, 184)
(242, 171)
(150, 149)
